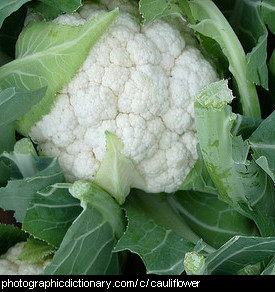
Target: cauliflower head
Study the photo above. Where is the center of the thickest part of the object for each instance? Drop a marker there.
(138, 82)
(10, 265)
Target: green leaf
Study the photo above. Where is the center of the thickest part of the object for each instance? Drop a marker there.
(68, 6)
(36, 250)
(50, 54)
(245, 126)
(238, 179)
(210, 218)
(23, 156)
(239, 252)
(18, 193)
(7, 7)
(159, 208)
(272, 63)
(52, 8)
(9, 33)
(5, 173)
(9, 236)
(161, 248)
(199, 179)
(212, 23)
(254, 15)
(262, 142)
(87, 247)
(7, 134)
(15, 102)
(248, 19)
(117, 173)
(270, 268)
(152, 9)
(50, 213)
(4, 58)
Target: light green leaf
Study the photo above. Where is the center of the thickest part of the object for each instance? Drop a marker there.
(50, 54)
(50, 213)
(36, 250)
(152, 9)
(199, 179)
(7, 7)
(240, 181)
(117, 173)
(87, 247)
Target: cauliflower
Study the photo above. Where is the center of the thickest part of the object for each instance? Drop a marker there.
(10, 265)
(138, 82)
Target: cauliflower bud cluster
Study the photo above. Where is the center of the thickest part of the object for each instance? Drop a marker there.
(138, 82)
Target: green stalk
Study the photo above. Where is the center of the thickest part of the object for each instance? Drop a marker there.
(212, 23)
(240, 181)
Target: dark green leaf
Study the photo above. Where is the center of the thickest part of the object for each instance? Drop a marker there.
(270, 268)
(18, 193)
(244, 126)
(212, 23)
(7, 7)
(239, 252)
(52, 8)
(9, 236)
(161, 249)
(272, 63)
(10, 31)
(5, 173)
(87, 247)
(248, 18)
(262, 142)
(14, 102)
(7, 134)
(213, 220)
(50, 213)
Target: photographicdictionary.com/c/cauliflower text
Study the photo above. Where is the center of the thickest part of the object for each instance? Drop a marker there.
(46, 283)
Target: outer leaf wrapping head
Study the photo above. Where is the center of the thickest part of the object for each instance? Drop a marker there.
(50, 54)
(117, 173)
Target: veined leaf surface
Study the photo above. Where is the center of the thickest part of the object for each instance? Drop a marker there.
(50, 54)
